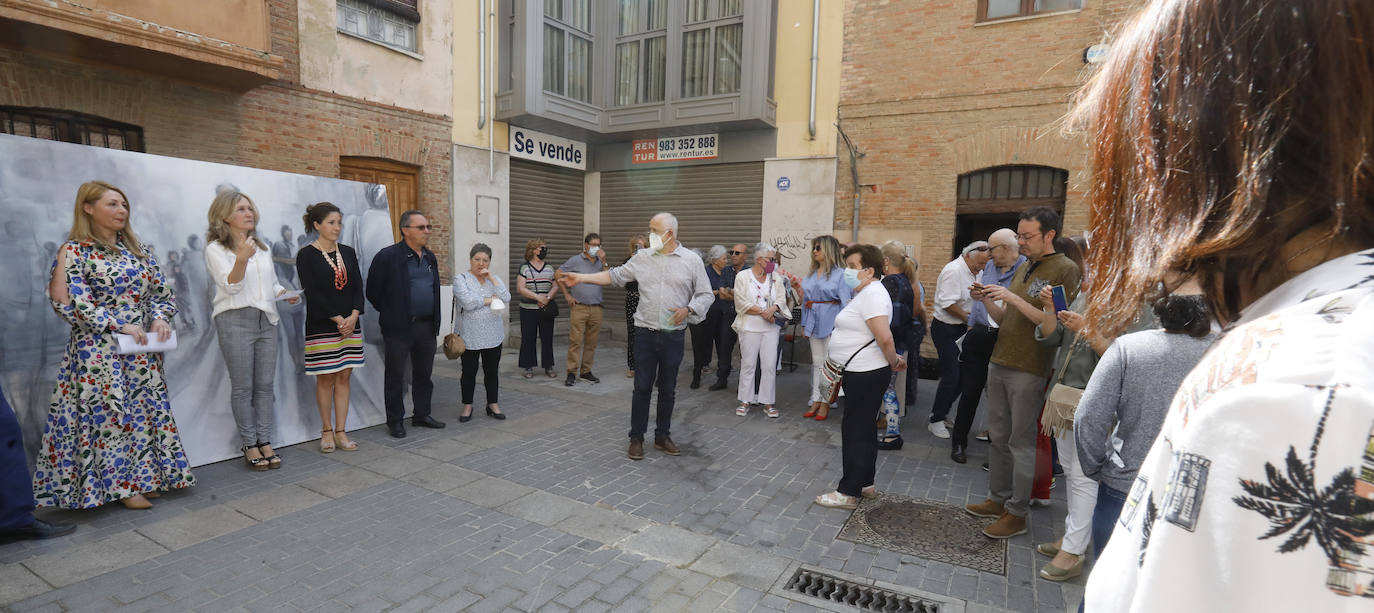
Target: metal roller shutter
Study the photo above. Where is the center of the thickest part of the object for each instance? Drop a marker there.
(545, 202)
(718, 204)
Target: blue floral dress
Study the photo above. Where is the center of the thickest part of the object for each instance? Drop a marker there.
(110, 433)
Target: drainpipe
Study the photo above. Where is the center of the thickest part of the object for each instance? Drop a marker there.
(815, 48)
(482, 63)
(854, 155)
(490, 83)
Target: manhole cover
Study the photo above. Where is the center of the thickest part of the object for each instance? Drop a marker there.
(926, 530)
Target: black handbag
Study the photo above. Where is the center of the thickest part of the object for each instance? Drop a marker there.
(550, 310)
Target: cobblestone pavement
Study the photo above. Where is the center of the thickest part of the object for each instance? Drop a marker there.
(540, 512)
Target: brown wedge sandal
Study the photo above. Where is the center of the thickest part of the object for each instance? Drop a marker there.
(344, 443)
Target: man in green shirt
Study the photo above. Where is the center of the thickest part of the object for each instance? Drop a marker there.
(1019, 370)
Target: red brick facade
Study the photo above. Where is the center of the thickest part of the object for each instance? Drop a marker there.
(278, 126)
(928, 95)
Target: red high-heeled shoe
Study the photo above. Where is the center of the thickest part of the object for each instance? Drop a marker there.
(809, 414)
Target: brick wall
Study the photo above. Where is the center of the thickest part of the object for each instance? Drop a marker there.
(926, 95)
(278, 126)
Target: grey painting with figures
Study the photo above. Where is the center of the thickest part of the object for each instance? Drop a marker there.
(168, 200)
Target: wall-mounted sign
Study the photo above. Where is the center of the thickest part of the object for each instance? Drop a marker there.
(784, 184)
(547, 148)
(1096, 54)
(675, 148)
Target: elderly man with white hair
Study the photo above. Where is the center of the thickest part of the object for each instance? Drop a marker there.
(953, 303)
(673, 291)
(981, 337)
(760, 305)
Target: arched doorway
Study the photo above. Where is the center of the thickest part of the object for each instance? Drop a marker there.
(993, 198)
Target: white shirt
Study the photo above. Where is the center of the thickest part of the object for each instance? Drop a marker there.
(951, 288)
(257, 289)
(851, 329)
(1278, 418)
(760, 294)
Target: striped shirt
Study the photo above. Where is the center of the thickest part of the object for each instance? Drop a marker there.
(539, 281)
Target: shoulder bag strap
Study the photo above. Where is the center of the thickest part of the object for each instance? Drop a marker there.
(856, 353)
(1065, 366)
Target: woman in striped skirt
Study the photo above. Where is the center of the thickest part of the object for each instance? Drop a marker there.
(333, 287)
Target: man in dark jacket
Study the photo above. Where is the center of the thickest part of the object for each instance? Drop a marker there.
(403, 285)
(17, 522)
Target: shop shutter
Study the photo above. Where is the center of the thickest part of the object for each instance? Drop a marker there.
(717, 204)
(545, 202)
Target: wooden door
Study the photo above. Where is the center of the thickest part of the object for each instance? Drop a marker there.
(401, 181)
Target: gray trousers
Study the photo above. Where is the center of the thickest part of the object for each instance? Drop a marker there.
(1015, 398)
(249, 344)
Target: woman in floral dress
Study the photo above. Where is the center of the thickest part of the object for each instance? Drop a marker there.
(110, 433)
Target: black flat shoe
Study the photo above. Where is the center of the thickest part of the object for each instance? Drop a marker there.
(427, 422)
(958, 455)
(570, 380)
(892, 445)
(590, 377)
(37, 530)
(720, 384)
(396, 430)
(696, 383)
(493, 414)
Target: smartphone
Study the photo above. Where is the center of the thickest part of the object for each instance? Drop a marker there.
(1061, 302)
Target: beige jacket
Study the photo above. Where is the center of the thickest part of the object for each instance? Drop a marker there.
(743, 303)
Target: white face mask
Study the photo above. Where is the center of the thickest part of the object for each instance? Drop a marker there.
(655, 241)
(592, 251)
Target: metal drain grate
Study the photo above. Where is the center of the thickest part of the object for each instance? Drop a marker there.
(865, 597)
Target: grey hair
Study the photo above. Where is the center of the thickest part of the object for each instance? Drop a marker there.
(405, 217)
(762, 248)
(717, 252)
(1005, 236)
(669, 221)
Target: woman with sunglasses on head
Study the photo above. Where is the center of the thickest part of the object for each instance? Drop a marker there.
(823, 294)
(245, 317)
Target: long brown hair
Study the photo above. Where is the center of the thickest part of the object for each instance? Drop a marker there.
(630, 244)
(89, 193)
(220, 209)
(832, 254)
(1219, 130)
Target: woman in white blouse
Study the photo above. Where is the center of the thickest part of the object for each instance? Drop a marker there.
(245, 319)
(760, 303)
(482, 297)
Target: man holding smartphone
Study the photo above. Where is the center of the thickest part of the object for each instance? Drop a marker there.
(981, 337)
(1019, 370)
(952, 305)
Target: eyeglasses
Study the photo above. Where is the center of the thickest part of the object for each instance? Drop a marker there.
(979, 249)
(1027, 236)
(424, 228)
(815, 247)
(736, 253)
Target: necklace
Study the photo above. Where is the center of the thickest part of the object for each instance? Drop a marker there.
(340, 271)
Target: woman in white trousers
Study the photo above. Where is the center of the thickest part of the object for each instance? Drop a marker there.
(760, 305)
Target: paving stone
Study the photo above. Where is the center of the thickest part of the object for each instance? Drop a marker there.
(196, 526)
(489, 492)
(542, 508)
(601, 525)
(673, 545)
(343, 481)
(445, 449)
(275, 502)
(741, 565)
(89, 560)
(18, 583)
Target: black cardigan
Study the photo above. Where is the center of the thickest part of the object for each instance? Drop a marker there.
(322, 301)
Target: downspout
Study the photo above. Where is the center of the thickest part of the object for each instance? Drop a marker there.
(815, 60)
(854, 155)
(482, 63)
(490, 83)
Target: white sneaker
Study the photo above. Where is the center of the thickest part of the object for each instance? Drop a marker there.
(1040, 502)
(938, 429)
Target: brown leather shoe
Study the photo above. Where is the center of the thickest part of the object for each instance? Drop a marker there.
(666, 445)
(636, 450)
(1006, 526)
(986, 508)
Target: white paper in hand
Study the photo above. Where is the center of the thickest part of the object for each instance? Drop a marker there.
(497, 304)
(289, 294)
(128, 346)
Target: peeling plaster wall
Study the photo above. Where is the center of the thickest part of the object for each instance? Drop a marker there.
(336, 62)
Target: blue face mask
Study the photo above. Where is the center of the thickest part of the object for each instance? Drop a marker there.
(851, 278)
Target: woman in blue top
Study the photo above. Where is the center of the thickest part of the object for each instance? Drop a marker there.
(823, 295)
